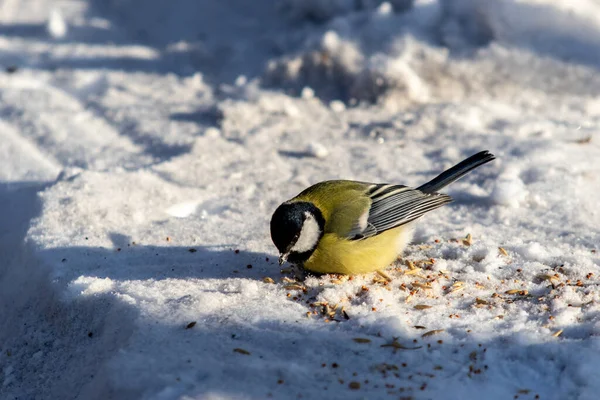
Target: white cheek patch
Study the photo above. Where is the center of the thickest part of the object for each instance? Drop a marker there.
(309, 235)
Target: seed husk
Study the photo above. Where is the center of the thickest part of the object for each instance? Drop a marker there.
(421, 307)
(433, 332)
(552, 278)
(266, 279)
(467, 240)
(241, 351)
(415, 272)
(398, 346)
(422, 285)
(384, 275)
(502, 251)
(294, 287)
(456, 287)
(362, 340)
(557, 333)
(340, 279)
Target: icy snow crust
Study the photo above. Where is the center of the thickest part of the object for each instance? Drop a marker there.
(145, 144)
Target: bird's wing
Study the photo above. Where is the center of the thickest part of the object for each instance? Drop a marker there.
(392, 206)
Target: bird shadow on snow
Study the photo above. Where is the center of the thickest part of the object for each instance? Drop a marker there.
(36, 325)
(131, 261)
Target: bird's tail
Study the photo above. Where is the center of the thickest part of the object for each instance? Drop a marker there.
(456, 172)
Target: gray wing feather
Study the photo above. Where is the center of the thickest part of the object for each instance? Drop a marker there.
(395, 205)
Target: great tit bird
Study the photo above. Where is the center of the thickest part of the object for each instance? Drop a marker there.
(351, 227)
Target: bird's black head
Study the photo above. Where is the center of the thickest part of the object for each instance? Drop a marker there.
(296, 229)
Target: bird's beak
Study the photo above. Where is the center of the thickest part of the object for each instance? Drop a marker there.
(283, 258)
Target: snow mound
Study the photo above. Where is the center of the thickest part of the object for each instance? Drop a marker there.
(403, 58)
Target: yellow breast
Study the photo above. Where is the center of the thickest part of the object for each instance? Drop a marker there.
(342, 256)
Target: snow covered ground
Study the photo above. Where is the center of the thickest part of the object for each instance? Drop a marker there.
(145, 144)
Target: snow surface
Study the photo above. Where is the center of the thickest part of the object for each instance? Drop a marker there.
(145, 144)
